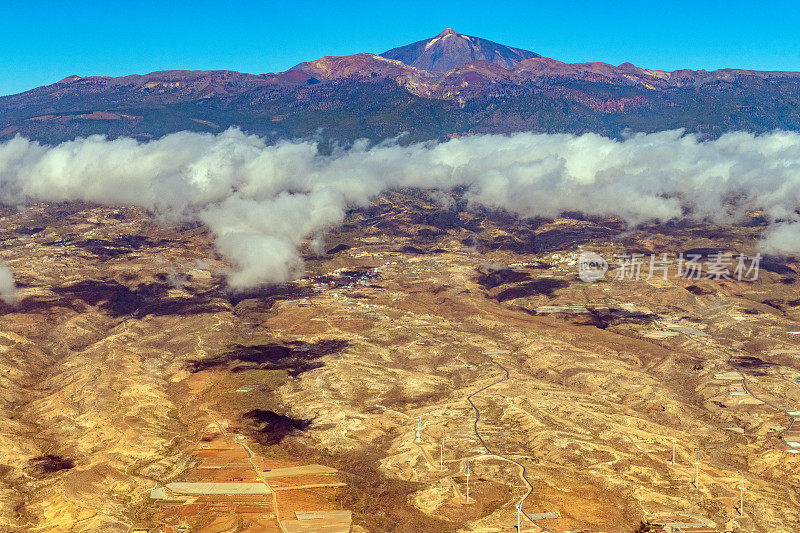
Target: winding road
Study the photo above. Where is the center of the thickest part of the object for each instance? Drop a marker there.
(523, 471)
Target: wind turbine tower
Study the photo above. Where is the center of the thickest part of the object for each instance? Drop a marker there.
(741, 497)
(673, 452)
(419, 428)
(697, 475)
(467, 482)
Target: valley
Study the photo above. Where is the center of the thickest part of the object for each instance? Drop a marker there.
(129, 367)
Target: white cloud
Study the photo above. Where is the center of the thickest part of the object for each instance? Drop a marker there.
(262, 201)
(8, 289)
(781, 239)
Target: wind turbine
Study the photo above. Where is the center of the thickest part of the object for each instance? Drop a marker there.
(697, 475)
(419, 428)
(673, 451)
(441, 455)
(519, 516)
(467, 482)
(741, 496)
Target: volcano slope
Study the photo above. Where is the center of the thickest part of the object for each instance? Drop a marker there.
(126, 358)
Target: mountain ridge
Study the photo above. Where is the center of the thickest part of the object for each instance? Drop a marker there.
(374, 96)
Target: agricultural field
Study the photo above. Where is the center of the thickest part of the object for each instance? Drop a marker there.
(419, 345)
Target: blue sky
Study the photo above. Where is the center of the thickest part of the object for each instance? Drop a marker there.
(43, 42)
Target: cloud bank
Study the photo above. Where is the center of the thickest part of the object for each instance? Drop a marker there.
(8, 289)
(261, 201)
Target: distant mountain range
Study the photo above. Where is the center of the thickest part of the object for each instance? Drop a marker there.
(448, 85)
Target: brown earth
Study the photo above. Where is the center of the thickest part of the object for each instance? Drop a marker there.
(118, 378)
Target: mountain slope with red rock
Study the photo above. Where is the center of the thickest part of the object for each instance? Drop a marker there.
(451, 84)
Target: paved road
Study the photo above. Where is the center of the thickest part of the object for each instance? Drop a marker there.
(523, 472)
(251, 458)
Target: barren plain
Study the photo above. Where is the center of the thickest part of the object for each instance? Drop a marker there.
(419, 344)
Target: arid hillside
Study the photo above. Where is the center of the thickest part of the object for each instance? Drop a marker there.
(421, 343)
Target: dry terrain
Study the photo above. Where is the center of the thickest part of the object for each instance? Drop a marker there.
(136, 388)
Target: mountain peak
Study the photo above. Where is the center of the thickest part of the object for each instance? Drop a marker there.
(448, 31)
(450, 49)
